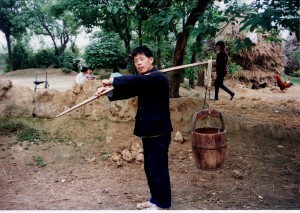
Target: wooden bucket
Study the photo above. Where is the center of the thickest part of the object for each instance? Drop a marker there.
(209, 144)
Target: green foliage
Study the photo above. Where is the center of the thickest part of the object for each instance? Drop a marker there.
(21, 56)
(44, 57)
(209, 23)
(66, 61)
(294, 80)
(7, 127)
(105, 54)
(48, 18)
(29, 134)
(234, 68)
(296, 56)
(236, 45)
(12, 23)
(11, 17)
(96, 72)
(39, 161)
(273, 15)
(297, 74)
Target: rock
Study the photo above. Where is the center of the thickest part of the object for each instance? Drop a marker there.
(140, 157)
(5, 84)
(135, 149)
(18, 102)
(79, 144)
(116, 157)
(237, 174)
(178, 137)
(91, 160)
(108, 139)
(119, 163)
(126, 155)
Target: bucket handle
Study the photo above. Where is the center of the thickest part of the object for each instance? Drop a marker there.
(203, 114)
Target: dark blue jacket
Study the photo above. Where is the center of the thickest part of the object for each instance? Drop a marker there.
(153, 113)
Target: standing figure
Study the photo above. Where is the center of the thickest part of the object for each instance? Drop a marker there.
(152, 121)
(222, 69)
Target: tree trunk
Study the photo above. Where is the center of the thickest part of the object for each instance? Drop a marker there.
(194, 60)
(158, 52)
(140, 33)
(10, 63)
(126, 39)
(176, 76)
(192, 74)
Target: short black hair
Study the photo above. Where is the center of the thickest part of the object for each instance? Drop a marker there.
(116, 69)
(90, 68)
(84, 69)
(142, 50)
(221, 44)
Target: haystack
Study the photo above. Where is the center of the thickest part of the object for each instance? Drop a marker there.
(261, 62)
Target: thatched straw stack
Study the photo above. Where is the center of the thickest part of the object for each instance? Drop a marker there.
(261, 62)
(264, 56)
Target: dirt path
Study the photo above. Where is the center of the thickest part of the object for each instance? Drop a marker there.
(56, 78)
(261, 171)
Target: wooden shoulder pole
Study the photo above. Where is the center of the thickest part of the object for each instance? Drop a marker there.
(84, 102)
(111, 88)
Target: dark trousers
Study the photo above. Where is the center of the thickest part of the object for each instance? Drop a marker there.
(219, 83)
(157, 170)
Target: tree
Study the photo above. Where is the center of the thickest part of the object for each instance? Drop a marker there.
(276, 15)
(12, 23)
(182, 38)
(105, 51)
(49, 18)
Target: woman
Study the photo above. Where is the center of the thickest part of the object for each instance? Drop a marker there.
(222, 69)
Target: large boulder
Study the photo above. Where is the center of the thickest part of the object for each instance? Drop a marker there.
(17, 102)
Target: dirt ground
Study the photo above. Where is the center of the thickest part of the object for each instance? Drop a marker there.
(261, 169)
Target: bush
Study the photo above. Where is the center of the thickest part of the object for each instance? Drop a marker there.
(21, 56)
(39, 161)
(296, 73)
(7, 127)
(67, 61)
(44, 57)
(105, 55)
(234, 68)
(29, 134)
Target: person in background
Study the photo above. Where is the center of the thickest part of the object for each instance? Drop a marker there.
(222, 70)
(152, 124)
(89, 74)
(115, 73)
(81, 77)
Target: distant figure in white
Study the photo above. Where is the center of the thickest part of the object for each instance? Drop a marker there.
(115, 73)
(85, 74)
(81, 77)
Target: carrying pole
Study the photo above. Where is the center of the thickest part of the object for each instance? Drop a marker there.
(111, 88)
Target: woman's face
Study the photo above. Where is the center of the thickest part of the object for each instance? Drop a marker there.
(218, 48)
(89, 71)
